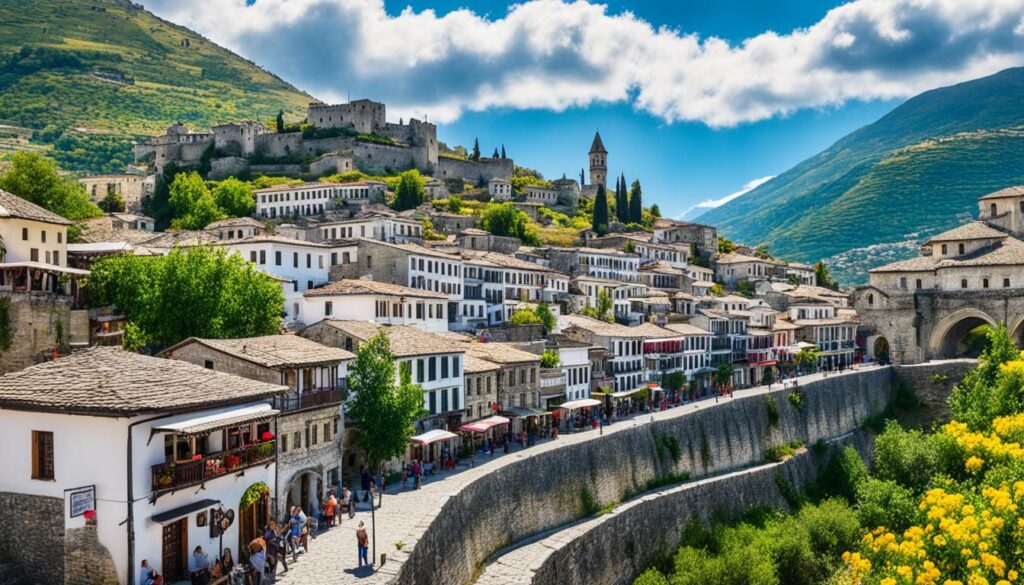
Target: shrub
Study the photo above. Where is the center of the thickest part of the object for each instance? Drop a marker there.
(524, 317)
(780, 452)
(549, 359)
(844, 474)
(796, 399)
(832, 527)
(885, 503)
(651, 577)
(906, 457)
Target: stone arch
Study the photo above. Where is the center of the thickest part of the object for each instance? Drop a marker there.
(880, 349)
(294, 495)
(950, 331)
(1016, 329)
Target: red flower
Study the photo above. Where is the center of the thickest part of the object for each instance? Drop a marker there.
(89, 514)
(197, 457)
(267, 436)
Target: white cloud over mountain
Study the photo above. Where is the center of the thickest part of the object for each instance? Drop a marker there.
(556, 55)
(707, 204)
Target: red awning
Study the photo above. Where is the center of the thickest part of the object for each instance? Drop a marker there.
(482, 426)
(433, 437)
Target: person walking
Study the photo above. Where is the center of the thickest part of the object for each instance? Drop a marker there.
(329, 510)
(257, 558)
(363, 544)
(275, 550)
(199, 567)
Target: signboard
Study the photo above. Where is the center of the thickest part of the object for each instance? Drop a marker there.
(82, 500)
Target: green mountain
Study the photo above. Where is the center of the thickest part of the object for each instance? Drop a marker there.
(870, 196)
(83, 79)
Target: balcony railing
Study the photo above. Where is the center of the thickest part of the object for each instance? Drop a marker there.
(552, 378)
(308, 399)
(173, 476)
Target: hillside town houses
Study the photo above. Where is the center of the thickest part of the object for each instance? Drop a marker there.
(507, 343)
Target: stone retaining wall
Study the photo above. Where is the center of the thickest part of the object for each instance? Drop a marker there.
(932, 382)
(33, 536)
(616, 547)
(556, 487)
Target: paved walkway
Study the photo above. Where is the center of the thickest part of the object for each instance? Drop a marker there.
(405, 514)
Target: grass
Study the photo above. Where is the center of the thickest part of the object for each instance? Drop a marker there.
(200, 84)
(783, 451)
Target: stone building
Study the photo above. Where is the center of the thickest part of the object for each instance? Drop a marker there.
(972, 275)
(236, 228)
(598, 158)
(452, 223)
(475, 239)
(380, 302)
(481, 378)
(310, 424)
(435, 362)
(518, 382)
(499, 189)
(129, 186)
(152, 450)
(315, 198)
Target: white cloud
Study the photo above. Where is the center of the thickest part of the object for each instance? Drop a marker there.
(707, 204)
(555, 55)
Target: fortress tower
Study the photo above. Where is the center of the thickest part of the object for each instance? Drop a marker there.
(598, 162)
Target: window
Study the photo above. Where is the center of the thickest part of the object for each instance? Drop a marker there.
(960, 248)
(277, 257)
(34, 254)
(284, 443)
(984, 283)
(919, 284)
(252, 256)
(419, 370)
(314, 428)
(1006, 283)
(42, 455)
(42, 234)
(328, 308)
(309, 260)
(297, 443)
(433, 402)
(369, 262)
(432, 369)
(455, 369)
(944, 251)
(963, 283)
(24, 234)
(444, 368)
(263, 257)
(295, 259)
(208, 364)
(327, 432)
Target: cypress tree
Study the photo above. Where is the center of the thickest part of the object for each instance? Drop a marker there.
(621, 201)
(502, 151)
(476, 149)
(600, 218)
(636, 205)
(495, 155)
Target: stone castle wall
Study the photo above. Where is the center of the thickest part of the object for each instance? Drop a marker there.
(473, 171)
(547, 490)
(33, 319)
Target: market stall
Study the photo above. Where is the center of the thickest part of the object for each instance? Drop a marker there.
(578, 414)
(434, 446)
(488, 431)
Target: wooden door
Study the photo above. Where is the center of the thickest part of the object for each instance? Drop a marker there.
(252, 519)
(175, 550)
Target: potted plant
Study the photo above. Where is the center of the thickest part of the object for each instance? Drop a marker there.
(232, 462)
(164, 477)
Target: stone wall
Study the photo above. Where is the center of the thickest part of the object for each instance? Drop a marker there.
(86, 560)
(474, 171)
(33, 319)
(616, 547)
(932, 382)
(547, 490)
(33, 531)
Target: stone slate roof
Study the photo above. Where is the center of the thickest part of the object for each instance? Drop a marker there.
(406, 340)
(411, 249)
(1009, 253)
(107, 381)
(597, 145)
(475, 365)
(499, 353)
(975, 230)
(371, 287)
(687, 329)
(1004, 193)
(272, 351)
(235, 221)
(13, 206)
(504, 261)
(605, 329)
(918, 264)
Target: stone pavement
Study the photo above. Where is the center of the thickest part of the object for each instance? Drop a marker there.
(406, 513)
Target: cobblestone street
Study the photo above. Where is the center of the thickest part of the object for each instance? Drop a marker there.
(405, 513)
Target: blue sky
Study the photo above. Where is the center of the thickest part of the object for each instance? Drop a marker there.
(694, 98)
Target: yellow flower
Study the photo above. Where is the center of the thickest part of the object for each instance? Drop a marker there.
(974, 463)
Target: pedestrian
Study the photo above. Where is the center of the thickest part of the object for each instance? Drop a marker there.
(366, 479)
(199, 567)
(362, 544)
(275, 552)
(257, 558)
(351, 499)
(329, 509)
(405, 476)
(506, 445)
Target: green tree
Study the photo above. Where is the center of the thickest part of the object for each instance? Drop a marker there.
(495, 155)
(549, 359)
(193, 204)
(455, 204)
(409, 191)
(603, 310)
(429, 233)
(655, 211)
(385, 411)
(112, 202)
(629, 247)
(987, 391)
(34, 177)
(157, 205)
(600, 217)
(636, 204)
(822, 276)
(722, 376)
(280, 121)
(524, 317)
(503, 152)
(807, 358)
(745, 288)
(235, 198)
(199, 291)
(547, 318)
(621, 200)
(503, 219)
(476, 149)
(725, 245)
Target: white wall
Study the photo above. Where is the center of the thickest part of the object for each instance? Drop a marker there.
(364, 308)
(19, 250)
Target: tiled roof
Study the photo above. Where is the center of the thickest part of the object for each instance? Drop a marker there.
(370, 287)
(975, 230)
(499, 353)
(271, 351)
(180, 238)
(687, 329)
(271, 239)
(406, 340)
(917, 264)
(412, 249)
(13, 206)
(740, 258)
(605, 329)
(474, 365)
(235, 221)
(503, 261)
(1004, 193)
(108, 381)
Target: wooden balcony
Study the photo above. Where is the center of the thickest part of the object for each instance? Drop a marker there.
(292, 402)
(168, 477)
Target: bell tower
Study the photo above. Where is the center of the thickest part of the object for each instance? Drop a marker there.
(598, 162)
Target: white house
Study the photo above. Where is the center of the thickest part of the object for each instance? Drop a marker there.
(380, 302)
(155, 451)
(496, 283)
(388, 229)
(303, 265)
(314, 198)
(543, 195)
(574, 361)
(499, 189)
